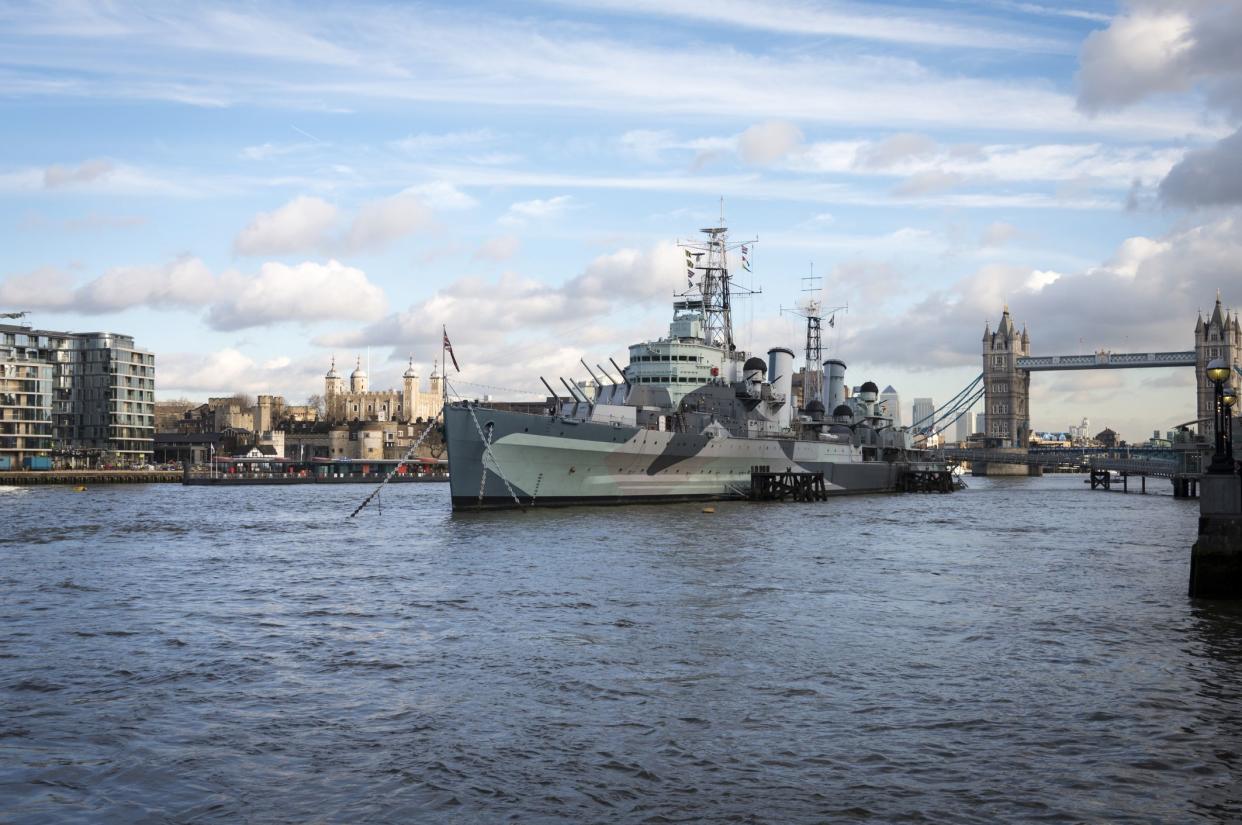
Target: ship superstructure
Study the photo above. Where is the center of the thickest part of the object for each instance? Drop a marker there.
(691, 419)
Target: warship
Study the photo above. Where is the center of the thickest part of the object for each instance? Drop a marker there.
(692, 418)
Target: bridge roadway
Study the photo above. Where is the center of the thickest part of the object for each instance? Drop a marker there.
(1105, 361)
(1158, 462)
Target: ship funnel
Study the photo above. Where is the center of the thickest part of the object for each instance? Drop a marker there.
(867, 394)
(780, 374)
(834, 383)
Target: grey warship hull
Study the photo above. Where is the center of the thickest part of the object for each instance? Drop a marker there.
(501, 459)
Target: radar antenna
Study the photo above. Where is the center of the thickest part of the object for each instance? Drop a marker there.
(14, 315)
(811, 307)
(710, 289)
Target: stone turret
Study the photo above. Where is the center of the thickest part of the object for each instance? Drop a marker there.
(436, 381)
(358, 378)
(1218, 337)
(409, 392)
(1006, 388)
(333, 384)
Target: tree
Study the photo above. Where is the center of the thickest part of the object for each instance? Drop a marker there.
(315, 402)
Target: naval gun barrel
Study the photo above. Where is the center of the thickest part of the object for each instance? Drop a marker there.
(555, 395)
(623, 378)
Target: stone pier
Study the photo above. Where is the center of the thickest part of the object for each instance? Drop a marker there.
(995, 465)
(1216, 558)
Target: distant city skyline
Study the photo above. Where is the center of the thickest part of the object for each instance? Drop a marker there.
(249, 190)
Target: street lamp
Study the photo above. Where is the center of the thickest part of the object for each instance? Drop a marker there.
(1217, 371)
(1229, 397)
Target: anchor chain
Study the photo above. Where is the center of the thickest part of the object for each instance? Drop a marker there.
(400, 464)
(487, 448)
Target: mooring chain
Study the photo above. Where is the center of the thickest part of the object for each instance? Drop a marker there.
(487, 448)
(483, 471)
(400, 464)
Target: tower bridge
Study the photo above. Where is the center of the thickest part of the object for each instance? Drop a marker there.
(1008, 364)
(1106, 361)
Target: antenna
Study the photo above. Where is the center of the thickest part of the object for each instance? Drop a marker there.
(811, 307)
(712, 293)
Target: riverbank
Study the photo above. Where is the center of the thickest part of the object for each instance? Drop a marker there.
(28, 478)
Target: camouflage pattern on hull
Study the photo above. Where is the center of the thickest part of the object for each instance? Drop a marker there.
(556, 461)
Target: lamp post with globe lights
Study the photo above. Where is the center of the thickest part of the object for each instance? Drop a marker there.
(1229, 397)
(1217, 372)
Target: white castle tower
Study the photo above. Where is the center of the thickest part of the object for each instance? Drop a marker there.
(437, 386)
(409, 392)
(358, 378)
(333, 384)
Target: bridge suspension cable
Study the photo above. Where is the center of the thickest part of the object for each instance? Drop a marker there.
(955, 406)
(943, 423)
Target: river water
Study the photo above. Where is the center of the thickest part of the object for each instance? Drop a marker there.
(1022, 651)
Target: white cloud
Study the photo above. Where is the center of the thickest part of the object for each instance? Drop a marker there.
(424, 142)
(894, 150)
(1041, 278)
(306, 292)
(538, 209)
(895, 24)
(1144, 298)
(267, 151)
(309, 224)
(57, 176)
(930, 182)
(43, 288)
(185, 282)
(513, 313)
(501, 248)
(304, 224)
(379, 223)
(228, 371)
(278, 293)
(910, 155)
(102, 177)
(998, 233)
(768, 142)
(308, 57)
(441, 195)
(647, 145)
(1140, 53)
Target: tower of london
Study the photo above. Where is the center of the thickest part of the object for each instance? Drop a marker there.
(361, 403)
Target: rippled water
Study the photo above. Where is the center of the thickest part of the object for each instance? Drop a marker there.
(1021, 651)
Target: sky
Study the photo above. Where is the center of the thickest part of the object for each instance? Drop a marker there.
(251, 190)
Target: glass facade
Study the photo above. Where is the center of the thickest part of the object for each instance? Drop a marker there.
(25, 411)
(93, 391)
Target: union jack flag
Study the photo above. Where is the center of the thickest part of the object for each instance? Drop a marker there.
(449, 349)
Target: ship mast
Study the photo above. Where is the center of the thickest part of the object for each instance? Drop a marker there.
(712, 292)
(812, 309)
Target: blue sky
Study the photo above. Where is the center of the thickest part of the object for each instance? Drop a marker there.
(250, 189)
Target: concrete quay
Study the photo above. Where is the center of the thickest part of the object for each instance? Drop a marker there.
(30, 478)
(1216, 558)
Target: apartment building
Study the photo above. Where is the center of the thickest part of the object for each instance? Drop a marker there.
(89, 393)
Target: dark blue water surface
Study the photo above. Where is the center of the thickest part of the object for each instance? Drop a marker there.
(1023, 651)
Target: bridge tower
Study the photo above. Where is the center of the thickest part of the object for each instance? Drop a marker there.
(1219, 337)
(1006, 389)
